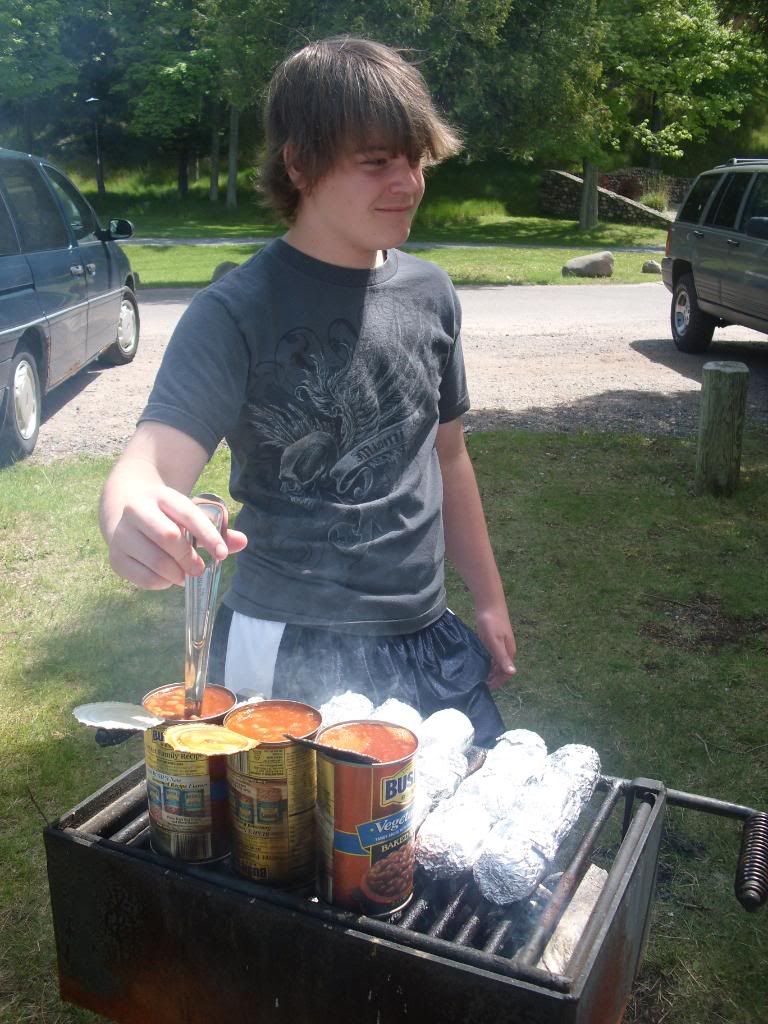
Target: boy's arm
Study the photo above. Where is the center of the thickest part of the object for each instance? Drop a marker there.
(469, 548)
(145, 510)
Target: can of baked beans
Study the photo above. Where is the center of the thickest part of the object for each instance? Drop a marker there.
(364, 818)
(272, 791)
(186, 793)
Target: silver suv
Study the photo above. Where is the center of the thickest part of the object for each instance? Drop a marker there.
(716, 263)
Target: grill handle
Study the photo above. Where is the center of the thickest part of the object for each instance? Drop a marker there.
(751, 884)
(752, 870)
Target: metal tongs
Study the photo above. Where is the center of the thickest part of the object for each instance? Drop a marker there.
(200, 602)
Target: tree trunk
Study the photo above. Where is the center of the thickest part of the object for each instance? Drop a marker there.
(234, 131)
(183, 170)
(213, 190)
(26, 122)
(657, 123)
(588, 207)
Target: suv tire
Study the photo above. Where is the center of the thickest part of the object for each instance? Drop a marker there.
(124, 348)
(692, 330)
(18, 436)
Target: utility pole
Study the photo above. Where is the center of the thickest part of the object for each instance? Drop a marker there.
(94, 101)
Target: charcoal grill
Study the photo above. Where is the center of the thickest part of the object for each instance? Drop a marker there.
(141, 938)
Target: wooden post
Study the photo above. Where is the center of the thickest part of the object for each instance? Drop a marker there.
(721, 426)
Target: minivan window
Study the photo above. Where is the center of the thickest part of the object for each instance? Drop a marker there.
(77, 212)
(757, 203)
(698, 197)
(8, 243)
(722, 213)
(36, 214)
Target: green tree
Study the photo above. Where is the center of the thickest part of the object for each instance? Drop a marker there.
(32, 64)
(166, 77)
(670, 73)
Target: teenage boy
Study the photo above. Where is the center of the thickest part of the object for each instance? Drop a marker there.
(331, 362)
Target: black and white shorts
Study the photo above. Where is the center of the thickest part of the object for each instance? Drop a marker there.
(442, 665)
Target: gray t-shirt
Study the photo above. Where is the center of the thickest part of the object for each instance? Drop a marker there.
(328, 384)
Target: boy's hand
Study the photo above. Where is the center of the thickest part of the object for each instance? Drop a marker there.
(495, 631)
(148, 546)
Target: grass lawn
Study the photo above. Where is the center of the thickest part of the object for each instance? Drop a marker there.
(640, 613)
(177, 266)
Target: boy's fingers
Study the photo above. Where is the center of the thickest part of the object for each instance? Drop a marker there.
(187, 516)
(235, 541)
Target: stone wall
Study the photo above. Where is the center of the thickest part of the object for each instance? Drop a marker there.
(560, 194)
(634, 182)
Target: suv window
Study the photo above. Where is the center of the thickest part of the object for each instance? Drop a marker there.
(77, 212)
(37, 216)
(722, 213)
(8, 243)
(698, 197)
(757, 203)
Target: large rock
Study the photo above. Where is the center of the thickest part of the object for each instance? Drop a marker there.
(651, 267)
(595, 264)
(222, 269)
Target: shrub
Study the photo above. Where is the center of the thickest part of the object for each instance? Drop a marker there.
(656, 200)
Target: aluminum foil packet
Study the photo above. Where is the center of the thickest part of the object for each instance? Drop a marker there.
(518, 850)
(518, 759)
(449, 841)
(399, 713)
(447, 728)
(345, 707)
(439, 773)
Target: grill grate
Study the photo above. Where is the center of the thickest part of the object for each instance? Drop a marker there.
(451, 916)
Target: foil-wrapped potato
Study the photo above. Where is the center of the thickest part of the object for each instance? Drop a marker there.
(519, 848)
(345, 707)
(399, 713)
(447, 728)
(449, 841)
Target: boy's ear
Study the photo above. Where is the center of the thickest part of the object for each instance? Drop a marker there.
(293, 172)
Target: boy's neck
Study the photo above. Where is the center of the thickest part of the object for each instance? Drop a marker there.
(310, 245)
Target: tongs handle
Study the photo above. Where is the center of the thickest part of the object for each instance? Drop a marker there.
(200, 601)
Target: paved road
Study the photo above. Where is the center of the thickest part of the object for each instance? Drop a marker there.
(561, 357)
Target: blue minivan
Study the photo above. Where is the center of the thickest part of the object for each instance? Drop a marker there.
(67, 293)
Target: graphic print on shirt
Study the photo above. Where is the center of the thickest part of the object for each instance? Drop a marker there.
(334, 422)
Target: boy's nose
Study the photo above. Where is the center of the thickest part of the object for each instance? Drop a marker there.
(406, 177)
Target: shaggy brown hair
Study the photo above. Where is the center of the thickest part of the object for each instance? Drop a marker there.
(340, 94)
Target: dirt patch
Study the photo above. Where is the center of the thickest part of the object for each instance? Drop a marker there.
(700, 622)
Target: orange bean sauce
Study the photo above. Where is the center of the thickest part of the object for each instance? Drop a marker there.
(168, 702)
(269, 720)
(378, 739)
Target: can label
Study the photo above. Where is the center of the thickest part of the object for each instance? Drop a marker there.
(365, 834)
(187, 797)
(272, 798)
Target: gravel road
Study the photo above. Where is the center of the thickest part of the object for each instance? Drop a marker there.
(563, 358)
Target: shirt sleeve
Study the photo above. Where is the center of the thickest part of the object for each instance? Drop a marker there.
(454, 395)
(200, 386)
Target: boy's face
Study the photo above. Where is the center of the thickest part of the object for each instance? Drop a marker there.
(365, 204)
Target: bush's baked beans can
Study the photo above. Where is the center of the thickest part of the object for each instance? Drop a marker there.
(364, 818)
(272, 791)
(186, 793)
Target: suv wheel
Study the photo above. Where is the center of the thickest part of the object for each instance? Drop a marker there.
(125, 346)
(18, 436)
(692, 330)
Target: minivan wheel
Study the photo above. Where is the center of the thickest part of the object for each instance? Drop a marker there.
(692, 330)
(22, 409)
(126, 343)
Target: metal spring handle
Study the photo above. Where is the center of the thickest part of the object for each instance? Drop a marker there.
(752, 870)
(200, 601)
